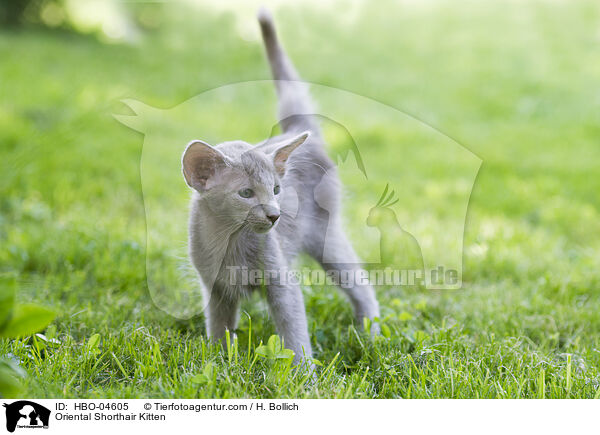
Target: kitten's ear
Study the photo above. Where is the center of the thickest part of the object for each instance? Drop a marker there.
(199, 163)
(281, 154)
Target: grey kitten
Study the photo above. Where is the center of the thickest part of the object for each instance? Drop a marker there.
(258, 207)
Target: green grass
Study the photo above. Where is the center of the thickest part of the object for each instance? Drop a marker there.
(515, 82)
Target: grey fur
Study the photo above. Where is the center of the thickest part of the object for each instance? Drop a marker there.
(228, 230)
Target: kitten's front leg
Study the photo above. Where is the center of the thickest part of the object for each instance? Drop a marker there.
(287, 308)
(221, 314)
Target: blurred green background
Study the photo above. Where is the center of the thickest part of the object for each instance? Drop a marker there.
(516, 82)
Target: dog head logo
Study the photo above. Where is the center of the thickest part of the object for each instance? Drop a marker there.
(26, 414)
(426, 177)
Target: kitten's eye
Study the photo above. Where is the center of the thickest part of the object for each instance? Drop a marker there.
(246, 193)
(276, 190)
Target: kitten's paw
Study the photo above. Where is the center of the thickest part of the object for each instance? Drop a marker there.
(371, 325)
(375, 329)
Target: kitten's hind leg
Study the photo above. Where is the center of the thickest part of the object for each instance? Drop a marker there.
(342, 259)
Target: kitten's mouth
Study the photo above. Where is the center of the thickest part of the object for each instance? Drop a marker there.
(264, 228)
(261, 227)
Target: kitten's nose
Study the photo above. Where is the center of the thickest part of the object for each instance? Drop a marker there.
(273, 217)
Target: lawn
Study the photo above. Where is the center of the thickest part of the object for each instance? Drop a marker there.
(515, 82)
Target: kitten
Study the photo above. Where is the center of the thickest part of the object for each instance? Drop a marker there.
(258, 207)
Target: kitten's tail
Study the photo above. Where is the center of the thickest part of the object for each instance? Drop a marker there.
(295, 106)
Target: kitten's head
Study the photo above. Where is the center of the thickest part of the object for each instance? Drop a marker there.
(240, 183)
